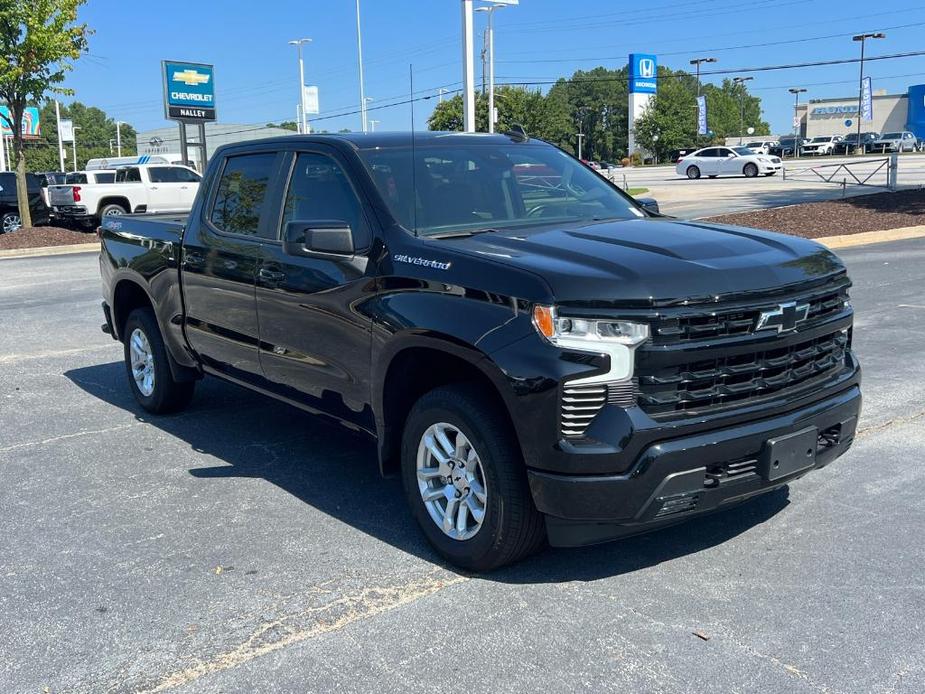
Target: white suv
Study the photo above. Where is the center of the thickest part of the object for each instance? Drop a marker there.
(823, 144)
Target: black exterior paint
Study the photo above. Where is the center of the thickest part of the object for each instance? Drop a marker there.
(322, 332)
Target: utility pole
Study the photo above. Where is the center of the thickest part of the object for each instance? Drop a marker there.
(862, 38)
(581, 136)
(484, 55)
(741, 82)
(60, 141)
(118, 138)
(796, 91)
(360, 61)
(468, 77)
(303, 121)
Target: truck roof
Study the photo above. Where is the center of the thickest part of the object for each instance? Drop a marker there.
(388, 139)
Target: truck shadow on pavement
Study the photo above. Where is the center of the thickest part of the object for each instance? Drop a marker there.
(336, 472)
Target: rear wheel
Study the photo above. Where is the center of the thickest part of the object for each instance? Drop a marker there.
(693, 172)
(112, 210)
(465, 480)
(750, 170)
(10, 222)
(148, 368)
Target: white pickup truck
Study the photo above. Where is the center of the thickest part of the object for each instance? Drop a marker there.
(142, 188)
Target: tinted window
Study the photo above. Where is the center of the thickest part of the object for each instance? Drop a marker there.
(105, 177)
(181, 175)
(320, 191)
(711, 152)
(131, 175)
(241, 193)
(160, 174)
(75, 178)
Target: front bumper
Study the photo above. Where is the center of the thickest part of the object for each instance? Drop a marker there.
(682, 477)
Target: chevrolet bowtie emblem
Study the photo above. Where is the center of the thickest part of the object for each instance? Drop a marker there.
(784, 318)
(190, 78)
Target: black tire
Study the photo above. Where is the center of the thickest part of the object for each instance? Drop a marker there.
(167, 394)
(750, 170)
(693, 172)
(10, 222)
(112, 209)
(512, 527)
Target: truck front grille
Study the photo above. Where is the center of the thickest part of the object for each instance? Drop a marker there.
(714, 383)
(581, 403)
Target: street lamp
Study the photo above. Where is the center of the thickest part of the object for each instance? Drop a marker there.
(360, 63)
(697, 62)
(303, 124)
(862, 38)
(741, 82)
(491, 62)
(796, 91)
(372, 124)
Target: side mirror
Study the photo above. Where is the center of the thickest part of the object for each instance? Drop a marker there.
(649, 204)
(318, 238)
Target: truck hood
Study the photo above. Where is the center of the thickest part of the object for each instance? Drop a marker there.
(655, 261)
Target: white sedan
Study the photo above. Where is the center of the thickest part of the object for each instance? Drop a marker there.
(727, 161)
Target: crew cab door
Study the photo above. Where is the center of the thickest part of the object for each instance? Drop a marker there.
(219, 262)
(314, 336)
(173, 188)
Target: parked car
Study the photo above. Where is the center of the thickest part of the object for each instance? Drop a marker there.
(144, 188)
(786, 146)
(10, 219)
(895, 142)
(849, 143)
(820, 145)
(761, 146)
(727, 161)
(538, 359)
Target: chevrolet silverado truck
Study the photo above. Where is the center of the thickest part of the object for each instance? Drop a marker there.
(538, 356)
(136, 188)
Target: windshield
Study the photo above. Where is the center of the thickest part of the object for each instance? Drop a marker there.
(821, 139)
(755, 144)
(471, 187)
(892, 136)
(743, 150)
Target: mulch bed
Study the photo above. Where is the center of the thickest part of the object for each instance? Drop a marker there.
(37, 237)
(811, 220)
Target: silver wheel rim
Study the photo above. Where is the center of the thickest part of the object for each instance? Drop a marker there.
(11, 222)
(113, 211)
(451, 481)
(142, 362)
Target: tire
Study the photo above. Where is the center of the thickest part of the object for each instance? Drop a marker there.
(112, 209)
(511, 528)
(10, 222)
(693, 172)
(750, 170)
(143, 345)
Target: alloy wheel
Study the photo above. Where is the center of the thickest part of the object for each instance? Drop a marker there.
(11, 222)
(142, 358)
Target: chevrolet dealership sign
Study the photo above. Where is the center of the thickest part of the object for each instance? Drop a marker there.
(189, 91)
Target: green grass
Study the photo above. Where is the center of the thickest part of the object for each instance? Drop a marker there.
(637, 191)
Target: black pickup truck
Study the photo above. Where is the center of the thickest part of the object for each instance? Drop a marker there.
(537, 355)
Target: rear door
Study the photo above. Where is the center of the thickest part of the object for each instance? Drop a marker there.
(708, 162)
(163, 190)
(219, 257)
(314, 340)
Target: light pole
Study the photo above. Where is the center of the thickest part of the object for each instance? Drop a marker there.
(303, 120)
(491, 60)
(862, 38)
(118, 138)
(741, 82)
(796, 91)
(360, 63)
(696, 62)
(372, 125)
(468, 71)
(440, 93)
(61, 151)
(74, 145)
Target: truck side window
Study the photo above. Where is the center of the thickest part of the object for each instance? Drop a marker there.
(159, 174)
(242, 190)
(319, 190)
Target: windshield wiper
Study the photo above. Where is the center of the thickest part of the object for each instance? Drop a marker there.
(461, 234)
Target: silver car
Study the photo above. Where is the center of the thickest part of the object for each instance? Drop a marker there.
(895, 142)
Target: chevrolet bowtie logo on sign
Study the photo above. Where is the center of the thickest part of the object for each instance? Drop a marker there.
(189, 91)
(191, 77)
(784, 318)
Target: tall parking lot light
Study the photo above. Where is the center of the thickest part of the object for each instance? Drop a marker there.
(696, 62)
(741, 82)
(796, 91)
(363, 118)
(862, 38)
(491, 60)
(303, 119)
(468, 68)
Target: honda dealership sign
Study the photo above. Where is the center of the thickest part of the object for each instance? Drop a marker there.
(643, 83)
(189, 91)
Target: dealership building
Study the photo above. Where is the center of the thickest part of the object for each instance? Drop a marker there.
(167, 140)
(891, 113)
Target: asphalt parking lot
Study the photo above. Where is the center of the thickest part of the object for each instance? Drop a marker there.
(245, 546)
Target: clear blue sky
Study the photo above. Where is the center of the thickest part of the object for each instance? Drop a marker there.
(540, 40)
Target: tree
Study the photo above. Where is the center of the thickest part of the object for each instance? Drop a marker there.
(39, 40)
(285, 125)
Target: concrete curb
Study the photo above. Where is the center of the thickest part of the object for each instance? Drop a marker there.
(869, 237)
(13, 253)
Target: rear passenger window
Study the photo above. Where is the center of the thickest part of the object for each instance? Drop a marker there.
(242, 191)
(159, 174)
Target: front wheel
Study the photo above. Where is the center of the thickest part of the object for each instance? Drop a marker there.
(11, 222)
(750, 170)
(465, 480)
(147, 365)
(693, 172)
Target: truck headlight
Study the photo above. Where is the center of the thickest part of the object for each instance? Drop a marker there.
(617, 339)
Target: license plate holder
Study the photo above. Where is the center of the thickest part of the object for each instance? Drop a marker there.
(787, 454)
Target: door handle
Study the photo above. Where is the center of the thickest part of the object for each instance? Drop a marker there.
(271, 275)
(192, 259)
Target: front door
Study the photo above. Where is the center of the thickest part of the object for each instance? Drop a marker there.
(314, 335)
(219, 264)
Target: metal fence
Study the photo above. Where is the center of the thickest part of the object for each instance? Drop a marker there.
(879, 172)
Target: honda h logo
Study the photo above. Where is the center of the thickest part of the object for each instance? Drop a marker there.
(784, 318)
(646, 67)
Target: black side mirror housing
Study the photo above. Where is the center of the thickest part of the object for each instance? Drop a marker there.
(649, 204)
(323, 238)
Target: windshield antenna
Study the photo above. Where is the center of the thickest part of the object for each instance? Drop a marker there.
(414, 182)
